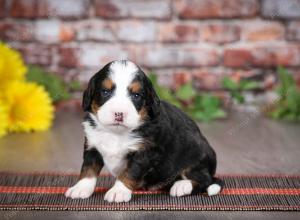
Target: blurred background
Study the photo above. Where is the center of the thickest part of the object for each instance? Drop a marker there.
(232, 60)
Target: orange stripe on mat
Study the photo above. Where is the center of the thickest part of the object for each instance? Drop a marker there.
(226, 191)
(153, 206)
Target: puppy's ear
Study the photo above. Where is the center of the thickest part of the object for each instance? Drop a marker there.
(152, 100)
(88, 95)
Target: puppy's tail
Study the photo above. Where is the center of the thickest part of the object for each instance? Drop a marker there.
(215, 187)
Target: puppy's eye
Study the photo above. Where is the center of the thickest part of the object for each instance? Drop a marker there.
(105, 93)
(136, 96)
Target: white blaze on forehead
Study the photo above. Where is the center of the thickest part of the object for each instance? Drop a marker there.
(122, 74)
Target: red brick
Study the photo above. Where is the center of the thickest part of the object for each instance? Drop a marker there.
(180, 78)
(172, 56)
(16, 31)
(178, 33)
(211, 79)
(220, 33)
(36, 54)
(294, 31)
(66, 33)
(53, 31)
(159, 9)
(49, 8)
(263, 56)
(262, 31)
(2, 8)
(237, 57)
(207, 79)
(195, 9)
(274, 56)
(25, 8)
(68, 57)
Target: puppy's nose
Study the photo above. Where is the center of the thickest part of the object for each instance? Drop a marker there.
(119, 116)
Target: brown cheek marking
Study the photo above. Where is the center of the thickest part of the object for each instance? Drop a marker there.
(95, 107)
(135, 87)
(107, 84)
(143, 113)
(90, 171)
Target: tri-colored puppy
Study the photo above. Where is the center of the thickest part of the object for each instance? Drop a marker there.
(143, 141)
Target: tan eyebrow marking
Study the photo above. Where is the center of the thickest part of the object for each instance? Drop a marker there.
(135, 87)
(108, 84)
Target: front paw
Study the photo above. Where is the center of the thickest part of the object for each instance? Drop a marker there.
(118, 193)
(83, 189)
(181, 188)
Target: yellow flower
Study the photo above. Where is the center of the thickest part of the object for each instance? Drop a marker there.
(29, 107)
(3, 119)
(12, 67)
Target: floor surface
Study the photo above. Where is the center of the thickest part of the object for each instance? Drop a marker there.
(245, 144)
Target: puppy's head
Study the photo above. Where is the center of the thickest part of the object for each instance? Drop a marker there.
(121, 96)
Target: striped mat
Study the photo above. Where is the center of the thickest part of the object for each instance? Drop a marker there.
(44, 191)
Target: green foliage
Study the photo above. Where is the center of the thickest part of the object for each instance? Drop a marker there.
(236, 89)
(204, 107)
(207, 107)
(186, 92)
(288, 106)
(164, 92)
(54, 85)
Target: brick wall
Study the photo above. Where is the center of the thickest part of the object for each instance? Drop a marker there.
(180, 40)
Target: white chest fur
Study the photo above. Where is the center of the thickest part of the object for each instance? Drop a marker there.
(112, 146)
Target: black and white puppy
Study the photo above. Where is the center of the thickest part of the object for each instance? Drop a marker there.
(144, 142)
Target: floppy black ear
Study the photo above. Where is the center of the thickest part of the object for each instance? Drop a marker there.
(153, 101)
(88, 95)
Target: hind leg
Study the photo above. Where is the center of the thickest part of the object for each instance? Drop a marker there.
(195, 180)
(203, 181)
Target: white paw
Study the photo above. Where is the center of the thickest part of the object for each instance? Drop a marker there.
(83, 189)
(213, 189)
(118, 193)
(181, 188)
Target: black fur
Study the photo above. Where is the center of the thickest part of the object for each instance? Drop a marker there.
(173, 144)
(149, 98)
(93, 91)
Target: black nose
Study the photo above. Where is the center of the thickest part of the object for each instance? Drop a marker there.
(119, 116)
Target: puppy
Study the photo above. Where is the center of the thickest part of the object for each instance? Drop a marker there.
(144, 142)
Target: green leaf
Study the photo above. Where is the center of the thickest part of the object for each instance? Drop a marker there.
(74, 85)
(53, 84)
(219, 113)
(204, 107)
(163, 92)
(288, 108)
(229, 83)
(210, 102)
(207, 107)
(248, 85)
(286, 81)
(186, 92)
(236, 95)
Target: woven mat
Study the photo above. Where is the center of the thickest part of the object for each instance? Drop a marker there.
(44, 191)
